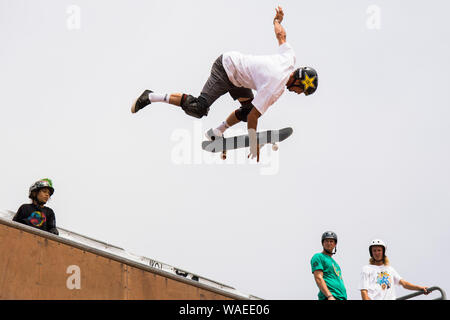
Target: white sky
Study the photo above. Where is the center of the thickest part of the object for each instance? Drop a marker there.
(369, 156)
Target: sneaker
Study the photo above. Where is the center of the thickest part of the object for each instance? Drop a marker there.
(212, 134)
(141, 102)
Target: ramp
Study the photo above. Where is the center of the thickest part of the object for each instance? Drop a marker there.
(39, 265)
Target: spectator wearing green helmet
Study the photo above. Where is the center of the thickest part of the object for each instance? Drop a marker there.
(36, 214)
(327, 272)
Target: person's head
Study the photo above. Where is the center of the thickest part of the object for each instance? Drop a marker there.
(329, 242)
(41, 191)
(303, 80)
(377, 251)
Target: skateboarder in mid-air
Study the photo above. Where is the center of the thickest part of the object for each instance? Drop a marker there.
(237, 74)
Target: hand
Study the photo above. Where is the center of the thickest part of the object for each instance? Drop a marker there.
(425, 290)
(254, 152)
(331, 298)
(253, 144)
(279, 14)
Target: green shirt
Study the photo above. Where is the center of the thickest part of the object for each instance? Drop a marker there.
(332, 275)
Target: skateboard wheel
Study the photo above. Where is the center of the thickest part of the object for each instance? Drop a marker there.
(274, 147)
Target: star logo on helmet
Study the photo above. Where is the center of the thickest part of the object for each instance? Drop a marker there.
(308, 82)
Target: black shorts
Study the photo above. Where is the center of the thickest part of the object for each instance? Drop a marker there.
(218, 84)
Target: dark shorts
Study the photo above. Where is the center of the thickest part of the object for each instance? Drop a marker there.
(218, 84)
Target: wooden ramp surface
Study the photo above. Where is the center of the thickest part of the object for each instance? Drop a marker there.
(36, 267)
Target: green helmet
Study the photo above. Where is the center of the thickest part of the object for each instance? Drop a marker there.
(43, 183)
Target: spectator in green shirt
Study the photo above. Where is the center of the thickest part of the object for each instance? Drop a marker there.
(327, 273)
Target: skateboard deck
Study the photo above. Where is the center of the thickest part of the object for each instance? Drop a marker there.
(242, 141)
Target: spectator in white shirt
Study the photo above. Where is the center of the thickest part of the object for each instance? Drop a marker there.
(378, 278)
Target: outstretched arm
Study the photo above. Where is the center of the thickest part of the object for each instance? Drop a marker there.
(280, 33)
(410, 286)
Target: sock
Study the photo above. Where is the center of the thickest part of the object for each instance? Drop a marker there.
(157, 97)
(223, 126)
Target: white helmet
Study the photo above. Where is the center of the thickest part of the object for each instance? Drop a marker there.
(377, 242)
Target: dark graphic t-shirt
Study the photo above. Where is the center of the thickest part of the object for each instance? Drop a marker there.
(42, 218)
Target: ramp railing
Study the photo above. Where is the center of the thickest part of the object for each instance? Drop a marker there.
(418, 293)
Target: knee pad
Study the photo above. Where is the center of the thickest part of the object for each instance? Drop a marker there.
(244, 110)
(193, 106)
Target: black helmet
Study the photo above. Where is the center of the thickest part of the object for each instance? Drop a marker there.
(329, 235)
(308, 79)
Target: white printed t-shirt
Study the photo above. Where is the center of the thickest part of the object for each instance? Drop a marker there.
(379, 281)
(266, 74)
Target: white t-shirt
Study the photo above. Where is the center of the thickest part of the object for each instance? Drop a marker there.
(267, 75)
(379, 281)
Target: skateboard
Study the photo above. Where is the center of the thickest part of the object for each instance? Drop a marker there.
(242, 141)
